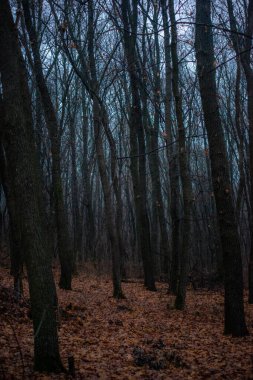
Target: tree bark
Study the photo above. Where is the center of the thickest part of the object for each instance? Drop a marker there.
(184, 168)
(63, 238)
(154, 161)
(76, 217)
(88, 217)
(233, 280)
(137, 144)
(100, 121)
(245, 45)
(23, 168)
(172, 157)
(16, 253)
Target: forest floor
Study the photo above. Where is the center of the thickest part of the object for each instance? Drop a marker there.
(141, 337)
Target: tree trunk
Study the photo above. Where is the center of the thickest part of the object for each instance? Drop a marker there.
(184, 169)
(63, 238)
(172, 158)
(137, 144)
(23, 169)
(245, 45)
(233, 280)
(100, 120)
(76, 218)
(15, 238)
(154, 161)
(110, 220)
(87, 196)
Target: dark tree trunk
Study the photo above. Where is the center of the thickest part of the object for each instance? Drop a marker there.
(88, 217)
(63, 238)
(15, 238)
(172, 158)
(154, 161)
(23, 170)
(137, 144)
(100, 122)
(110, 219)
(245, 45)
(184, 169)
(76, 217)
(233, 280)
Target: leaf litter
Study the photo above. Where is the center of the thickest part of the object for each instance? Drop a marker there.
(140, 337)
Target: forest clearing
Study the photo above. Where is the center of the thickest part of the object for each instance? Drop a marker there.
(141, 337)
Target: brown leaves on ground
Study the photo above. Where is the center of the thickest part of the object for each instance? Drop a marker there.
(141, 337)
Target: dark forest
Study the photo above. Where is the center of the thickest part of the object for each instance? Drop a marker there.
(126, 189)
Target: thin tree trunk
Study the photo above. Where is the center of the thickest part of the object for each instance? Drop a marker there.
(87, 196)
(157, 198)
(172, 157)
(137, 144)
(184, 169)
(100, 120)
(76, 218)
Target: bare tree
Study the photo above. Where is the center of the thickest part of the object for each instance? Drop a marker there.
(233, 281)
(17, 137)
(63, 239)
(243, 47)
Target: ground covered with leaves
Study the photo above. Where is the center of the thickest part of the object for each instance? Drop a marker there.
(141, 337)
